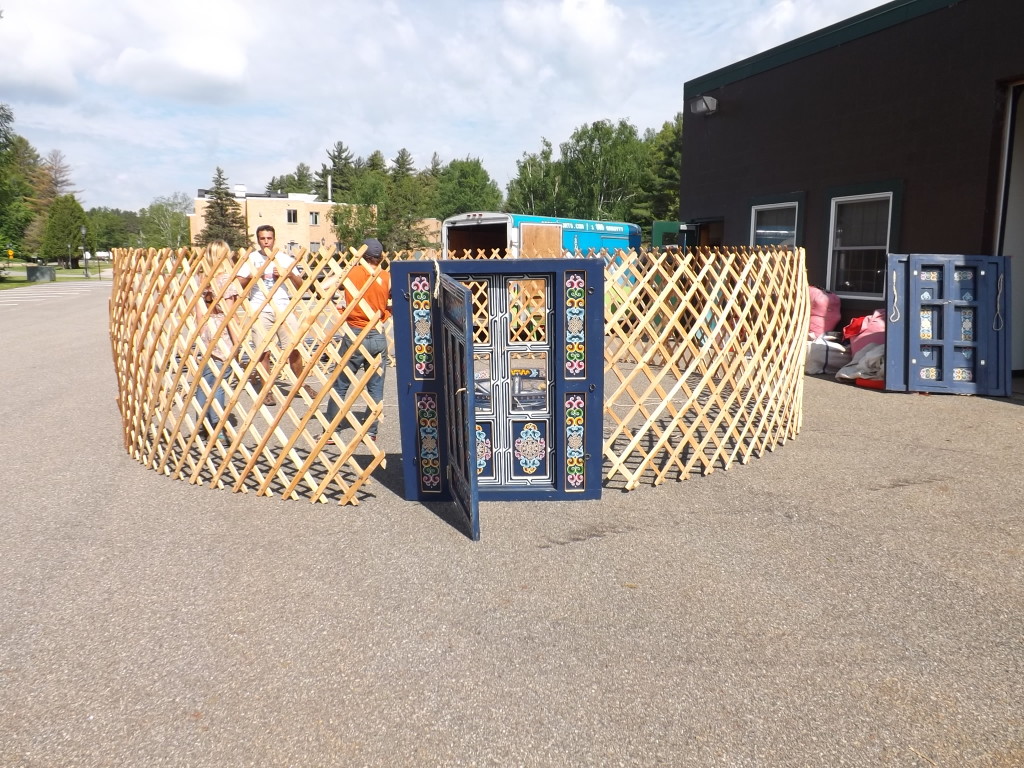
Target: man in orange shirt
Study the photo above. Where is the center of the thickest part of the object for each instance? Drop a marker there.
(373, 308)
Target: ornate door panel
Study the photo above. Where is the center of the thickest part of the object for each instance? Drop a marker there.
(946, 328)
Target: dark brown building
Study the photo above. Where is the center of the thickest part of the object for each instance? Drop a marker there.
(893, 131)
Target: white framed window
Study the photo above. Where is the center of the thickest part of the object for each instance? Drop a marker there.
(858, 244)
(314, 218)
(293, 215)
(773, 224)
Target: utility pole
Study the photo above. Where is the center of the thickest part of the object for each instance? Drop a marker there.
(85, 259)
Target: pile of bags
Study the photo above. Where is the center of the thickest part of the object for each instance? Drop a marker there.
(824, 354)
(858, 356)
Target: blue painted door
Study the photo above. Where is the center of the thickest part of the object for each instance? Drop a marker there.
(456, 309)
(947, 323)
(500, 379)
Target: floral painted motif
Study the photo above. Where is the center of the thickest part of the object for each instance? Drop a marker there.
(484, 451)
(575, 324)
(575, 409)
(967, 325)
(926, 323)
(422, 330)
(530, 448)
(427, 437)
(966, 278)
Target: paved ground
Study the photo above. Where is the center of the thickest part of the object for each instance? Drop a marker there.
(853, 599)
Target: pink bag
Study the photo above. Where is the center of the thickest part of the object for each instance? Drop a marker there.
(825, 311)
(866, 330)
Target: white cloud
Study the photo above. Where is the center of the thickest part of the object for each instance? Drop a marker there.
(145, 99)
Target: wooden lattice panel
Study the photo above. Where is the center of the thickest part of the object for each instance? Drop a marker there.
(528, 304)
(281, 449)
(704, 360)
(480, 291)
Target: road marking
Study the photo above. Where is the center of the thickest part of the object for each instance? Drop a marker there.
(37, 293)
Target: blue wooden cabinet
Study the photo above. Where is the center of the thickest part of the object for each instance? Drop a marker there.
(948, 324)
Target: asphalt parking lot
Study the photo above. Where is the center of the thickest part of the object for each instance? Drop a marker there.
(852, 599)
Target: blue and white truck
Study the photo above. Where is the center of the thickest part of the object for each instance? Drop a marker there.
(524, 236)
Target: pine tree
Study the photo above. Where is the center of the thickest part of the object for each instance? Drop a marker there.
(223, 216)
(402, 166)
(62, 235)
(339, 172)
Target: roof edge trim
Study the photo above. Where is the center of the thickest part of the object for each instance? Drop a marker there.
(861, 25)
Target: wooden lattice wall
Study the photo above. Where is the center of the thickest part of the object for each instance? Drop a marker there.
(703, 367)
(704, 360)
(287, 448)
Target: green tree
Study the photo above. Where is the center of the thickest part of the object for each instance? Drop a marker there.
(353, 223)
(427, 181)
(534, 190)
(301, 181)
(223, 216)
(18, 163)
(436, 166)
(339, 171)
(401, 214)
(376, 161)
(603, 167)
(113, 228)
(50, 179)
(662, 192)
(464, 185)
(164, 222)
(6, 126)
(62, 237)
(402, 166)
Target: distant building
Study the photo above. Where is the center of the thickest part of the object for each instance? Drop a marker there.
(300, 221)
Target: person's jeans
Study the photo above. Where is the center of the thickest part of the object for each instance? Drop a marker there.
(209, 377)
(374, 345)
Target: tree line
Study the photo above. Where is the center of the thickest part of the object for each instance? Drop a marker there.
(605, 171)
(41, 217)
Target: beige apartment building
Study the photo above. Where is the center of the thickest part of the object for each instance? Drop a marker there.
(300, 221)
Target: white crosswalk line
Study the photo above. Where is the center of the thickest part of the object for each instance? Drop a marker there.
(35, 294)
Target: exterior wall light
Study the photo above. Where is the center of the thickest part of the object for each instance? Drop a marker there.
(705, 105)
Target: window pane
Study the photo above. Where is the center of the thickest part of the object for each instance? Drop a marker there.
(775, 226)
(860, 243)
(860, 271)
(864, 223)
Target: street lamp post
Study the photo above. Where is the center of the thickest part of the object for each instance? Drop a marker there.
(85, 260)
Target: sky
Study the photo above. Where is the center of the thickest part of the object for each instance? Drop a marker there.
(146, 99)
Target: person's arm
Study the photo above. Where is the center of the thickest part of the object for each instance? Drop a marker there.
(230, 304)
(246, 274)
(295, 274)
(291, 268)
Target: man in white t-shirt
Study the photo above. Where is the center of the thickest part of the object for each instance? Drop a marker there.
(259, 274)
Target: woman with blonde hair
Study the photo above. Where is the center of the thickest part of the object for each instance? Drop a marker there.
(214, 307)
